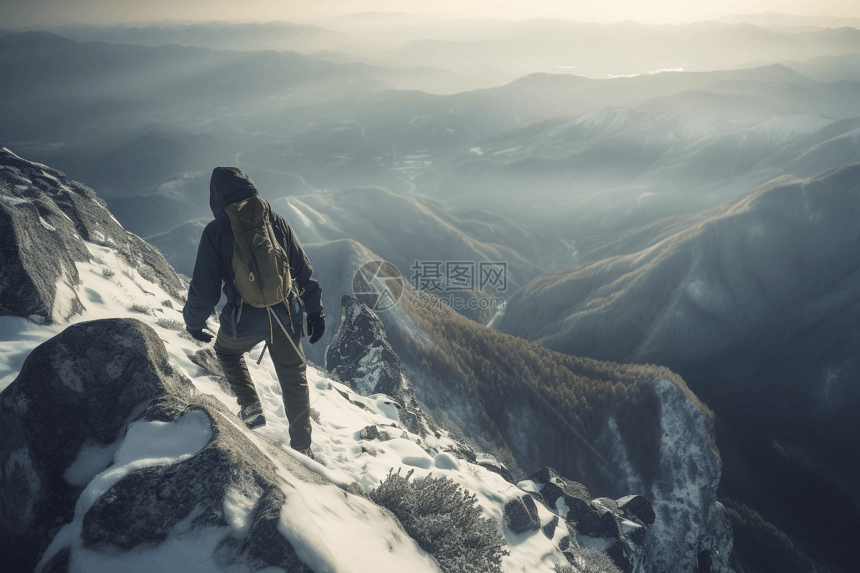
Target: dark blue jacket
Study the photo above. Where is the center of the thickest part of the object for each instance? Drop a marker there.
(214, 266)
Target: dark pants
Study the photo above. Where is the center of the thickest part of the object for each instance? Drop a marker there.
(289, 366)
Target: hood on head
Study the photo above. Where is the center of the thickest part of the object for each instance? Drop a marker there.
(227, 186)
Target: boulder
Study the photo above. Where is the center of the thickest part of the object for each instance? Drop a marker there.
(521, 514)
(369, 433)
(76, 392)
(637, 507)
(548, 528)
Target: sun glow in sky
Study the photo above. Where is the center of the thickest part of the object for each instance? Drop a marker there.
(46, 13)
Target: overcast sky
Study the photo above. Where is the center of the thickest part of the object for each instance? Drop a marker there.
(46, 13)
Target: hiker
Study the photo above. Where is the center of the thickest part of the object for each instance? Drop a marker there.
(278, 295)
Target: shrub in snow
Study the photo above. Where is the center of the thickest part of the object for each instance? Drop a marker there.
(107, 272)
(589, 560)
(141, 308)
(315, 415)
(170, 324)
(446, 522)
(148, 274)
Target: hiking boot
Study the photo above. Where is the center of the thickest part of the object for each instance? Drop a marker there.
(308, 452)
(252, 415)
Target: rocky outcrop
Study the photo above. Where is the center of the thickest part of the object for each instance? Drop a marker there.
(622, 533)
(360, 355)
(689, 520)
(103, 393)
(46, 222)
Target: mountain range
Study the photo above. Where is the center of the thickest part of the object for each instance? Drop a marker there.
(675, 208)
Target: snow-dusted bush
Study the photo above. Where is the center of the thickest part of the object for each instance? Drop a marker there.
(446, 522)
(147, 273)
(589, 560)
(140, 307)
(170, 324)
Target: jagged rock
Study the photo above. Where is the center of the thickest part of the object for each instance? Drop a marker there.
(360, 355)
(572, 502)
(45, 220)
(521, 514)
(568, 547)
(592, 518)
(637, 507)
(548, 528)
(83, 394)
(369, 433)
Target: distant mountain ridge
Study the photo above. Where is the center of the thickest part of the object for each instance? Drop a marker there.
(756, 303)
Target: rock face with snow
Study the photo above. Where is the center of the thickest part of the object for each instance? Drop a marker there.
(360, 353)
(361, 356)
(48, 223)
(689, 521)
(62, 418)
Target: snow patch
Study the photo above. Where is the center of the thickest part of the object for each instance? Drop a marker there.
(64, 300)
(238, 505)
(92, 459)
(146, 444)
(305, 535)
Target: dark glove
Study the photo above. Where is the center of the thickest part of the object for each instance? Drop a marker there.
(199, 335)
(316, 326)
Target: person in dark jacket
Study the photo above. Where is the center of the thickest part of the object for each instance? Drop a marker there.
(243, 326)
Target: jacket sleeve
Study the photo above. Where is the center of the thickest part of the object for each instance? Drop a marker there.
(301, 270)
(205, 290)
